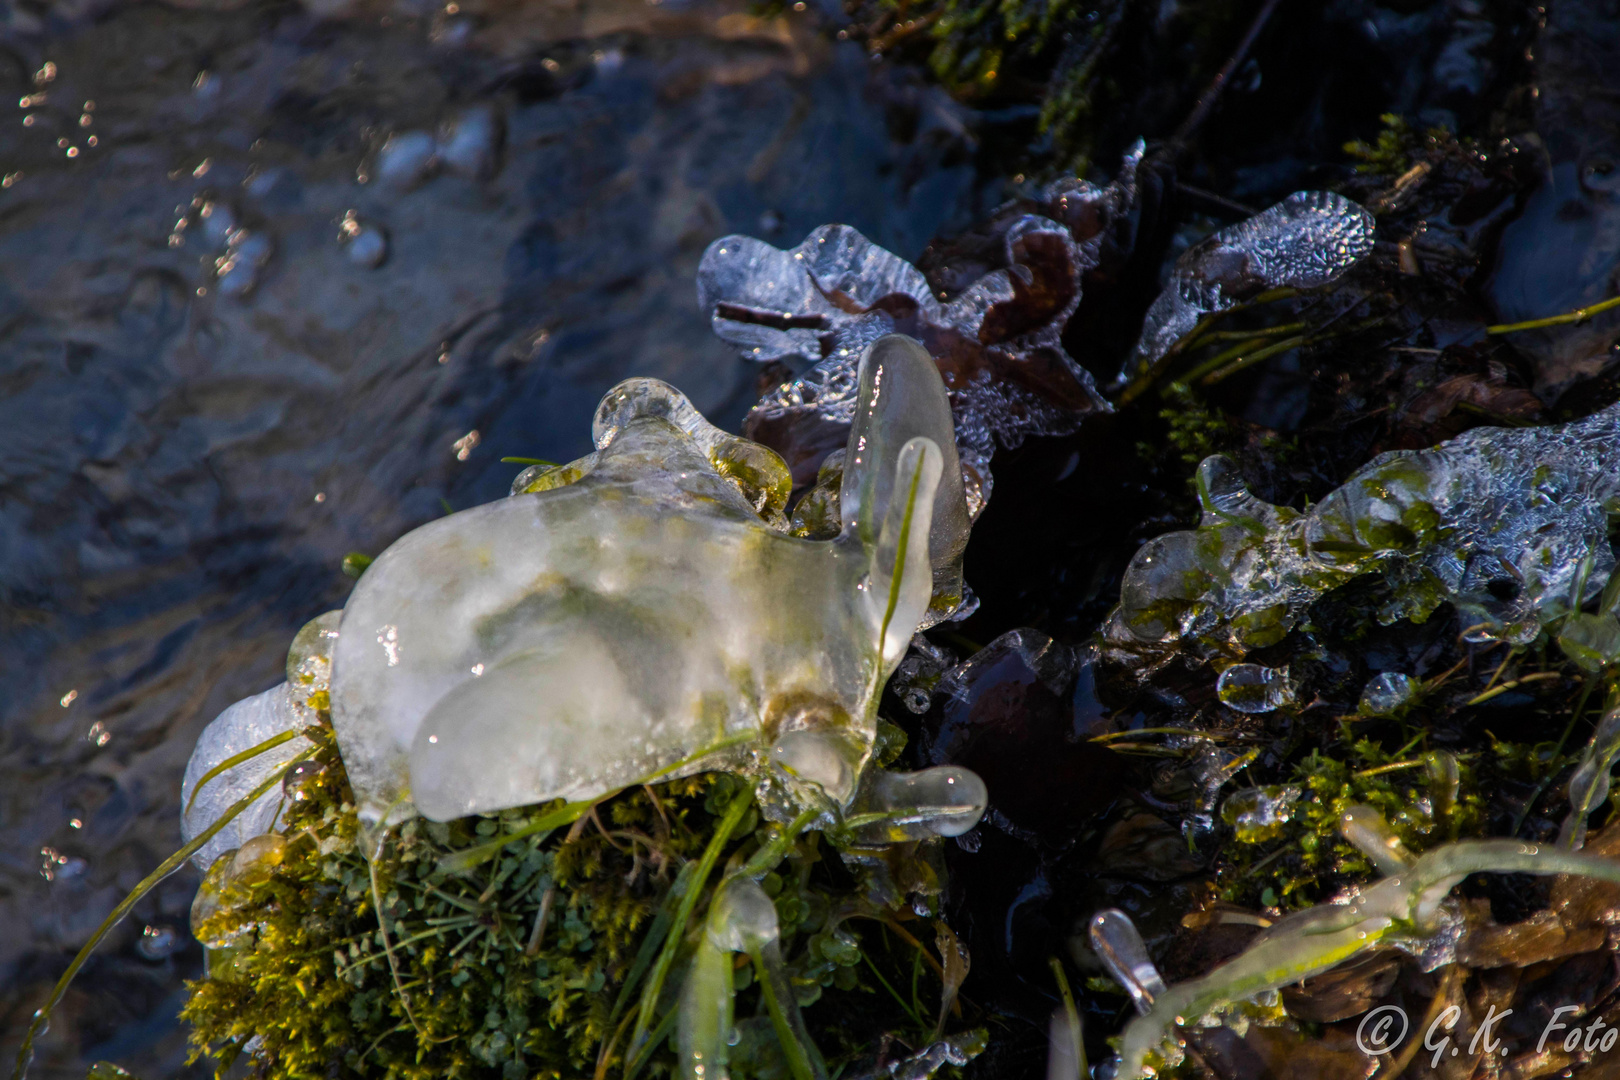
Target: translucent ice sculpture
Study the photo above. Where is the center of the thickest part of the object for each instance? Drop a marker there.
(1306, 241)
(1510, 525)
(997, 342)
(1406, 909)
(641, 613)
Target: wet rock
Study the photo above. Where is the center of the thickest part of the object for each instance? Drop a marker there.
(1027, 698)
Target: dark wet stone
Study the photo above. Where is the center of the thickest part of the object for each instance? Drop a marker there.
(1021, 714)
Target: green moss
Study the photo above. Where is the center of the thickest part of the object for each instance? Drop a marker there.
(305, 969)
(1301, 859)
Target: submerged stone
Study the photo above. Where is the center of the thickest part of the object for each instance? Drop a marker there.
(642, 613)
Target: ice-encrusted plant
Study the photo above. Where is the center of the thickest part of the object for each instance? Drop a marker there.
(1407, 908)
(1510, 525)
(996, 337)
(642, 614)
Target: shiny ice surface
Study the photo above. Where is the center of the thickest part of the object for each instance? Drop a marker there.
(1307, 240)
(241, 727)
(641, 617)
(1508, 524)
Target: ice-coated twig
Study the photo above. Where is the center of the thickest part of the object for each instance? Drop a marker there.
(1404, 909)
(1308, 240)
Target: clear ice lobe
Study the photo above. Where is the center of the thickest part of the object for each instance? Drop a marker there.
(1253, 688)
(241, 727)
(1115, 940)
(1306, 241)
(634, 613)
(1387, 693)
(1508, 524)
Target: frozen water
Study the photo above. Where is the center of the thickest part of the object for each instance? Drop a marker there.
(1258, 814)
(637, 612)
(998, 344)
(1118, 945)
(241, 727)
(1252, 688)
(946, 800)
(1368, 832)
(1307, 240)
(1589, 787)
(1510, 525)
(743, 918)
(1407, 909)
(1386, 693)
(246, 724)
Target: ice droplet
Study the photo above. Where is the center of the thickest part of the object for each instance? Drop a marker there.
(1252, 688)
(1117, 944)
(1306, 241)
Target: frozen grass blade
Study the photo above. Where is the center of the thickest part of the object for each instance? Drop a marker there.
(236, 759)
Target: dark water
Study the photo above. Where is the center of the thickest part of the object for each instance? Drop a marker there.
(184, 464)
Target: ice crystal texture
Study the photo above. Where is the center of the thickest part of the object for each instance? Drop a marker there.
(1509, 524)
(1306, 241)
(635, 613)
(997, 343)
(241, 727)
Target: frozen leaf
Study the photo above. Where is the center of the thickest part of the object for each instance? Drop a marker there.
(997, 342)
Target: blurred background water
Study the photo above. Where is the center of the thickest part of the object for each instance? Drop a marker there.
(279, 282)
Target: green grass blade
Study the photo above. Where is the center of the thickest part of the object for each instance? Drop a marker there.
(150, 882)
(236, 759)
(672, 945)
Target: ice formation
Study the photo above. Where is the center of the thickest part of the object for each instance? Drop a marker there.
(1407, 909)
(1253, 688)
(641, 612)
(1509, 524)
(998, 343)
(242, 727)
(742, 919)
(1306, 241)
